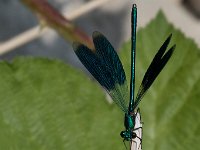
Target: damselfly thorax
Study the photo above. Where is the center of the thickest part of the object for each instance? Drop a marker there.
(132, 122)
(133, 132)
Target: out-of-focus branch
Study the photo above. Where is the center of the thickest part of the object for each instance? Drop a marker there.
(20, 40)
(52, 18)
(35, 32)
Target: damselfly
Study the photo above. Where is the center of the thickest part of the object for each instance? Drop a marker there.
(106, 67)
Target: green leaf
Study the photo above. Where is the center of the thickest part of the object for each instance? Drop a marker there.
(48, 105)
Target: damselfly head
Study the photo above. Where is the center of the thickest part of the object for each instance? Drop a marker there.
(128, 135)
(125, 135)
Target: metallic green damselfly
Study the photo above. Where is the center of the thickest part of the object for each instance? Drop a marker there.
(106, 67)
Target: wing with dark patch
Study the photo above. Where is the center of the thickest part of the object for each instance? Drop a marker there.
(158, 63)
(105, 65)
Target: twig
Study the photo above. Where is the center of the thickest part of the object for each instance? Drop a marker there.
(35, 32)
(21, 39)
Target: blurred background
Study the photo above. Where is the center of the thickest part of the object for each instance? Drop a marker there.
(112, 18)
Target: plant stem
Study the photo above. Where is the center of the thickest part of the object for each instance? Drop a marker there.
(52, 18)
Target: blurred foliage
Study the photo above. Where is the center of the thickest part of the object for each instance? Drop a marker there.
(48, 105)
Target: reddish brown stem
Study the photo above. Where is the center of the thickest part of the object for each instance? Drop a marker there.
(55, 20)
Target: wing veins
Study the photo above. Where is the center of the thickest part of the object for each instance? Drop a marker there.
(105, 66)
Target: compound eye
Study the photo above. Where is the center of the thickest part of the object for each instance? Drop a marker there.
(134, 135)
(123, 134)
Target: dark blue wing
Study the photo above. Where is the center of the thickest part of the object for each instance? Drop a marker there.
(105, 65)
(158, 63)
